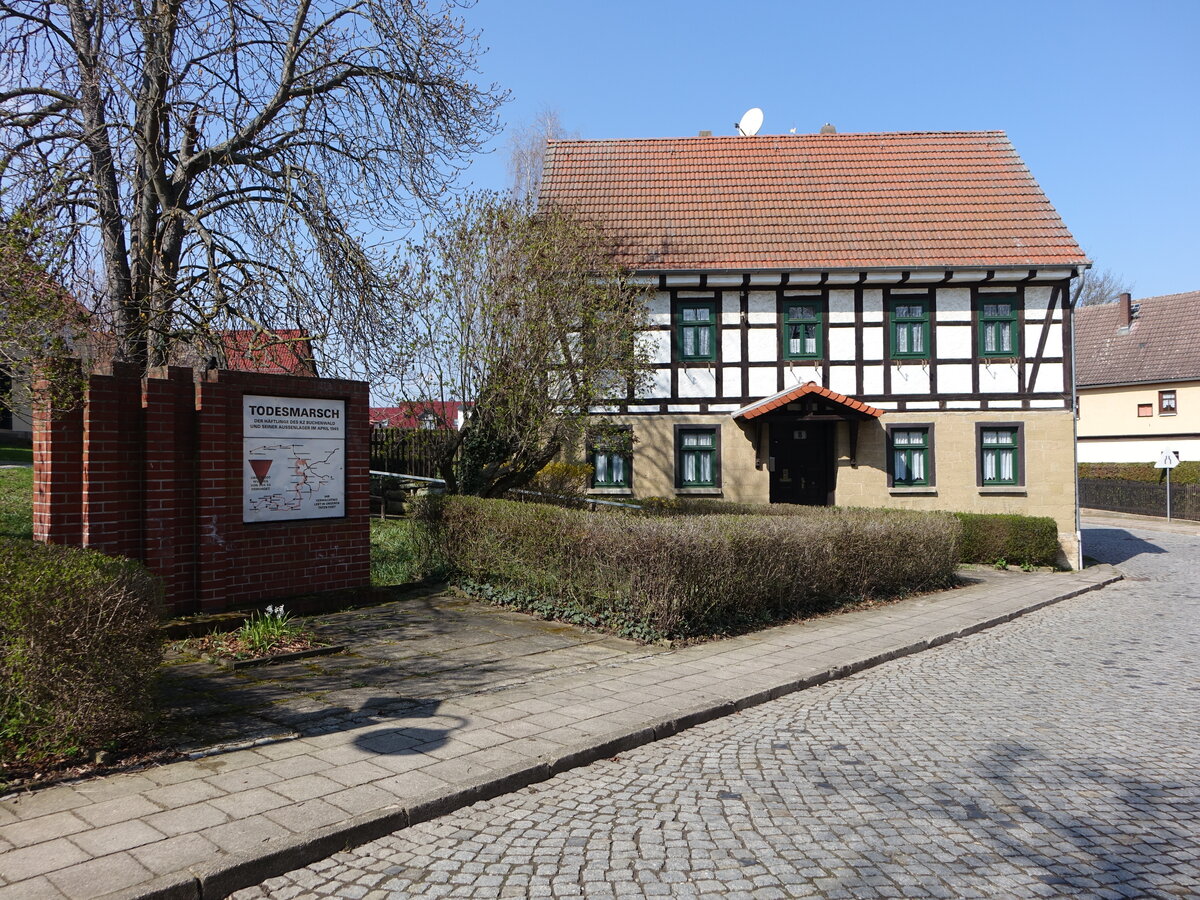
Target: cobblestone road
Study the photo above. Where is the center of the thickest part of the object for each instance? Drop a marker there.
(1058, 755)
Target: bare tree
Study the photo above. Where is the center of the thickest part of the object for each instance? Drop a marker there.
(205, 164)
(1100, 286)
(525, 317)
(527, 151)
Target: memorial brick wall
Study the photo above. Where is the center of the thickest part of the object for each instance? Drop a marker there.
(159, 469)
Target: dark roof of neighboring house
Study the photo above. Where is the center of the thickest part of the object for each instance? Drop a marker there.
(286, 352)
(408, 415)
(812, 201)
(1161, 344)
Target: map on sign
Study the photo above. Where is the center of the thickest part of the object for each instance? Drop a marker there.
(294, 458)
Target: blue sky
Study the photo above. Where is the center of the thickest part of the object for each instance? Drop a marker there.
(1101, 99)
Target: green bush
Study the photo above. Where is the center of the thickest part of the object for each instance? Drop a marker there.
(681, 576)
(1187, 472)
(79, 646)
(1019, 540)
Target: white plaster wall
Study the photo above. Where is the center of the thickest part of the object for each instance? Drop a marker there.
(872, 306)
(658, 345)
(953, 341)
(840, 342)
(1049, 378)
(659, 384)
(659, 307)
(762, 383)
(873, 342)
(954, 379)
(841, 306)
(1004, 404)
(997, 378)
(873, 380)
(731, 310)
(697, 383)
(842, 379)
(963, 404)
(731, 346)
(731, 381)
(923, 404)
(954, 304)
(1033, 334)
(763, 344)
(1048, 404)
(1136, 450)
(1037, 300)
(762, 308)
(797, 373)
(910, 379)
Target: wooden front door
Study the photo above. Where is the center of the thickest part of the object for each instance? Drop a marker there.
(801, 463)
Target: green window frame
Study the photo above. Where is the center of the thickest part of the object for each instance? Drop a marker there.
(802, 328)
(1000, 455)
(696, 450)
(696, 330)
(612, 464)
(910, 327)
(910, 457)
(998, 332)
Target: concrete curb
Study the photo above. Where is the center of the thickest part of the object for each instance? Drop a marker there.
(225, 875)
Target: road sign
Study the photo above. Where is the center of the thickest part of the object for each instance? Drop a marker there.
(1167, 460)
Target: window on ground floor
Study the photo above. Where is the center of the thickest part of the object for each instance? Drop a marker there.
(612, 461)
(697, 457)
(1000, 454)
(911, 448)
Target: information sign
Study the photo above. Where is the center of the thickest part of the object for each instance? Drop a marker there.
(294, 459)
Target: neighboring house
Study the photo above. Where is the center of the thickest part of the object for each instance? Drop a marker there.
(286, 351)
(859, 319)
(423, 414)
(1138, 377)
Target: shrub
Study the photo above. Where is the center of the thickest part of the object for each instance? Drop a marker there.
(682, 576)
(560, 483)
(1020, 540)
(79, 645)
(1187, 472)
(401, 551)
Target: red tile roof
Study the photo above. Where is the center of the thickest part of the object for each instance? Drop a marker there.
(288, 353)
(409, 414)
(1161, 344)
(775, 401)
(812, 201)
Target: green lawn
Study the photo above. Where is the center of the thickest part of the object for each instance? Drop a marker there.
(11, 452)
(16, 503)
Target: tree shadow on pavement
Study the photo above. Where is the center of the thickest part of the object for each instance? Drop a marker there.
(1116, 545)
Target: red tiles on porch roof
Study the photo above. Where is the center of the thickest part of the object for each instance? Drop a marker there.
(810, 387)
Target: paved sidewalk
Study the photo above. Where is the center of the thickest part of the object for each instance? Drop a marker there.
(206, 827)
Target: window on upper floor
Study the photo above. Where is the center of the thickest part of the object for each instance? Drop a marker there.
(802, 332)
(1000, 455)
(912, 455)
(612, 461)
(696, 330)
(998, 334)
(1166, 403)
(910, 327)
(697, 457)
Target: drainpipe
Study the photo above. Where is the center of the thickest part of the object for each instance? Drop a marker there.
(1075, 428)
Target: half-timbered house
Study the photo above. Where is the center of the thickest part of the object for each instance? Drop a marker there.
(851, 319)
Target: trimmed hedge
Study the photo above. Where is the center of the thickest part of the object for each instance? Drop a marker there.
(1187, 472)
(79, 646)
(986, 537)
(685, 576)
(1017, 540)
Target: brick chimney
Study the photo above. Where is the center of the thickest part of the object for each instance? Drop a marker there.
(1126, 310)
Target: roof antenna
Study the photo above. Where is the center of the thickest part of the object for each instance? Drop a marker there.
(752, 120)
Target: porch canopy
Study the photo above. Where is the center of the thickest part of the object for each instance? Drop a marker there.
(814, 403)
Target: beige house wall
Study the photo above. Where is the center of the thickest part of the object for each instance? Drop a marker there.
(1110, 430)
(1049, 464)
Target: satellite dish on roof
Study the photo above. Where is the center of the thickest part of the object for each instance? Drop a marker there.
(751, 121)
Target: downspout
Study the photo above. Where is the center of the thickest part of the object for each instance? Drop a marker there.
(1071, 300)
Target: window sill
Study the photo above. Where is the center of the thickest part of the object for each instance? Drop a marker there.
(1015, 489)
(699, 491)
(612, 491)
(912, 489)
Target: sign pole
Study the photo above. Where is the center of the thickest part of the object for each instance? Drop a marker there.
(1168, 494)
(1168, 460)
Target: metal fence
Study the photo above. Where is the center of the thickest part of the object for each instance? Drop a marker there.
(409, 451)
(1140, 497)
